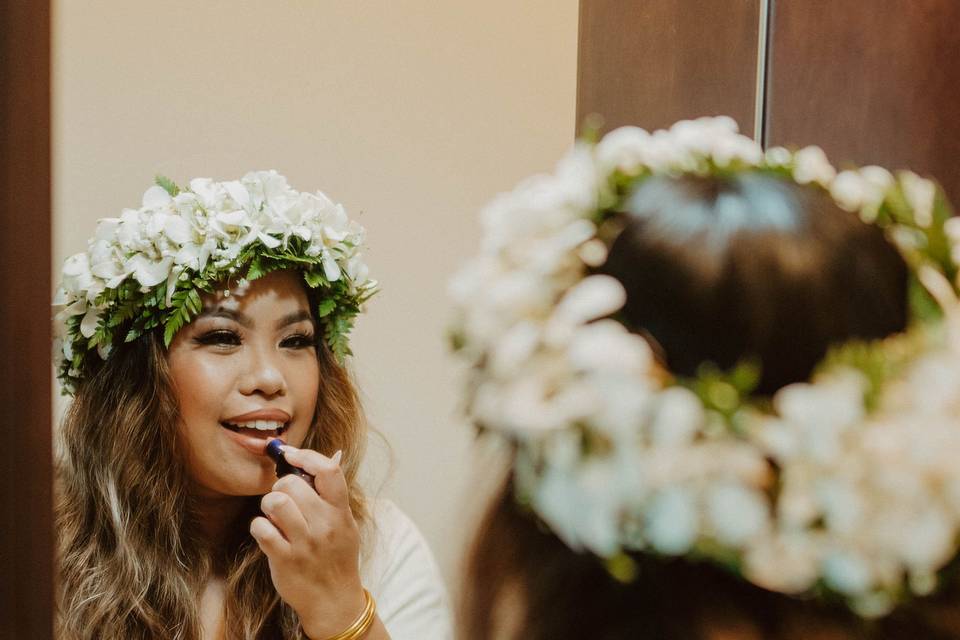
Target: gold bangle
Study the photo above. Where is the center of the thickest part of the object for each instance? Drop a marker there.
(363, 623)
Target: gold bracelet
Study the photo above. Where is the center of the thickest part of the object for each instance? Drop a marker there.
(363, 623)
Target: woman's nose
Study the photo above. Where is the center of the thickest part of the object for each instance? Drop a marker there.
(264, 375)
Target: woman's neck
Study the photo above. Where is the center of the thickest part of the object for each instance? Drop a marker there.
(216, 517)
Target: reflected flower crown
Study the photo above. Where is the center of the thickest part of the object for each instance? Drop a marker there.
(846, 485)
(147, 269)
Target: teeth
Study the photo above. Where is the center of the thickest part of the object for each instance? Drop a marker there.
(260, 425)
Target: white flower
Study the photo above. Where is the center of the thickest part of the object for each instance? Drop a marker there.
(177, 229)
(736, 514)
(727, 149)
(811, 165)
(581, 507)
(664, 155)
(330, 267)
(679, 417)
(850, 190)
(149, 272)
(847, 573)
(952, 229)
(672, 521)
(515, 347)
(786, 562)
(880, 178)
(928, 540)
(920, 194)
(592, 298)
(778, 157)
(624, 403)
(623, 149)
(88, 325)
(606, 345)
(842, 504)
(706, 136)
(77, 277)
(822, 412)
(357, 270)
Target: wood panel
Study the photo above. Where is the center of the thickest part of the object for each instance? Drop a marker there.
(26, 536)
(871, 82)
(652, 62)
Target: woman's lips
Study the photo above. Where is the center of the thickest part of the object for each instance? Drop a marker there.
(253, 441)
(277, 415)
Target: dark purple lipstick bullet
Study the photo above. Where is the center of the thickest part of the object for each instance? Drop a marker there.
(283, 467)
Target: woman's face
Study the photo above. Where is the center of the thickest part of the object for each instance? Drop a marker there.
(247, 361)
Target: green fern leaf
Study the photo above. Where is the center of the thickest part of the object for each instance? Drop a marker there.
(168, 185)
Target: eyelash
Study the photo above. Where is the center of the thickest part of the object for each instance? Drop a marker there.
(223, 337)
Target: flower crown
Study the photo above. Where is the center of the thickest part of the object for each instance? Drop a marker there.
(846, 485)
(146, 269)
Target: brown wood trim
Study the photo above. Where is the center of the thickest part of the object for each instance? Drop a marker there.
(26, 532)
(872, 83)
(653, 62)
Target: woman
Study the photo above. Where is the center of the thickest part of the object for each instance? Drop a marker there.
(731, 399)
(197, 328)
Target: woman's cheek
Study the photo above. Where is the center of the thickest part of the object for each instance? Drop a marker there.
(306, 381)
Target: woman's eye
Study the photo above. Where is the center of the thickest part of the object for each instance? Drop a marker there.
(219, 338)
(299, 341)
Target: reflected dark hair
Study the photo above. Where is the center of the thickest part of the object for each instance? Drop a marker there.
(752, 266)
(716, 270)
(523, 583)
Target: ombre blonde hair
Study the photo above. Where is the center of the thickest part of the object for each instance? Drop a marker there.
(131, 561)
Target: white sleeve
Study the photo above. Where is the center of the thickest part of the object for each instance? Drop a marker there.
(400, 572)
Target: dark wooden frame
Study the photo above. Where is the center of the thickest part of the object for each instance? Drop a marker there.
(26, 531)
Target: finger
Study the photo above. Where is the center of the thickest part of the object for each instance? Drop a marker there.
(269, 538)
(328, 478)
(284, 512)
(321, 517)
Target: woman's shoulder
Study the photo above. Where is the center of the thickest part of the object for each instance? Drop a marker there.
(399, 569)
(392, 543)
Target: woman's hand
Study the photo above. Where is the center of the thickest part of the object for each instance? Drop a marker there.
(313, 544)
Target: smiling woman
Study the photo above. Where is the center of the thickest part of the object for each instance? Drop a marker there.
(195, 330)
(244, 370)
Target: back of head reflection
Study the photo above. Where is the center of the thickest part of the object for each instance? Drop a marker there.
(719, 269)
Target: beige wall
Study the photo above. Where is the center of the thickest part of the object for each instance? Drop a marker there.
(411, 113)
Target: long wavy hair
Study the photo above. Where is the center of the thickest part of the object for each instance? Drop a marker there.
(131, 561)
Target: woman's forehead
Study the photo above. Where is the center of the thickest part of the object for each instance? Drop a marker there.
(277, 293)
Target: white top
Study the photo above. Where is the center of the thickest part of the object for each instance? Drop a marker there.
(399, 570)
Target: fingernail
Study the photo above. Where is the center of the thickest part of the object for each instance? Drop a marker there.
(336, 457)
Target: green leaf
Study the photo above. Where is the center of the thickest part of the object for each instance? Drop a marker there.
(622, 568)
(168, 185)
(194, 303)
(255, 270)
(314, 279)
(176, 321)
(326, 307)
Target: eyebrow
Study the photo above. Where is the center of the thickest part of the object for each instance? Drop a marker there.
(219, 312)
(245, 320)
(293, 318)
